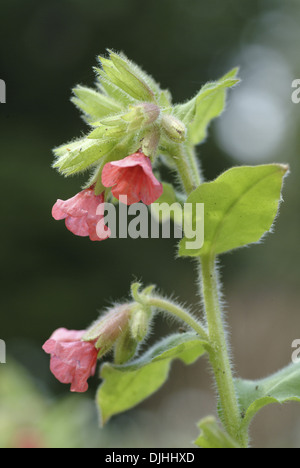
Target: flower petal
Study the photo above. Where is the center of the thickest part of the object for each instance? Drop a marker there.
(133, 177)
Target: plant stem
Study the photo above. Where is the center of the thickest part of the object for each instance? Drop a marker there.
(186, 172)
(219, 355)
(218, 350)
(168, 306)
(191, 154)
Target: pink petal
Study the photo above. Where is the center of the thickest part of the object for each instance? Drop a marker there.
(57, 212)
(77, 226)
(80, 213)
(72, 361)
(133, 177)
(151, 191)
(62, 371)
(49, 346)
(79, 205)
(110, 175)
(63, 334)
(97, 226)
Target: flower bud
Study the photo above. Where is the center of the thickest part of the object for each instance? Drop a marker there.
(173, 128)
(142, 114)
(139, 324)
(106, 331)
(150, 142)
(125, 348)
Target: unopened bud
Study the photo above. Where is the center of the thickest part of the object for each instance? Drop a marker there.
(139, 324)
(142, 114)
(125, 347)
(150, 142)
(106, 331)
(173, 128)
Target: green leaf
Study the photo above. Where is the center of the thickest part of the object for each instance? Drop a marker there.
(118, 125)
(94, 104)
(126, 386)
(240, 207)
(206, 106)
(278, 388)
(120, 60)
(165, 99)
(120, 72)
(81, 154)
(106, 132)
(111, 90)
(212, 436)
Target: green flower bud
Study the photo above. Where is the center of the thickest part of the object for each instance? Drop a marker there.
(173, 128)
(139, 324)
(125, 348)
(146, 112)
(150, 142)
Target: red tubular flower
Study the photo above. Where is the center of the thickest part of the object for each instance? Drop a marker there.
(72, 361)
(133, 177)
(80, 213)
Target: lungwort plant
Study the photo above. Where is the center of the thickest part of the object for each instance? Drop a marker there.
(135, 129)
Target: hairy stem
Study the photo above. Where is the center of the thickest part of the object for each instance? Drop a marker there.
(191, 154)
(182, 314)
(186, 171)
(219, 355)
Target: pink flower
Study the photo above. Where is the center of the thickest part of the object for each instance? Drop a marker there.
(72, 361)
(133, 177)
(80, 213)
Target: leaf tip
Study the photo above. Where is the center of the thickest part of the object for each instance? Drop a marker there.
(285, 168)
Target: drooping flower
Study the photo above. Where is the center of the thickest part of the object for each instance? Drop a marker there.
(72, 361)
(132, 177)
(81, 215)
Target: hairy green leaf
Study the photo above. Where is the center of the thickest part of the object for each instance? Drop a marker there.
(280, 387)
(94, 104)
(113, 91)
(126, 386)
(81, 154)
(122, 61)
(208, 104)
(120, 72)
(240, 207)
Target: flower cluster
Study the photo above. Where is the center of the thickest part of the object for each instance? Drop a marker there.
(131, 120)
(131, 177)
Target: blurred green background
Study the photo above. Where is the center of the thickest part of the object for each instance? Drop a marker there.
(51, 278)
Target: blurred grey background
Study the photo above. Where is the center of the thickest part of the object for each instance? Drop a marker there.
(50, 278)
